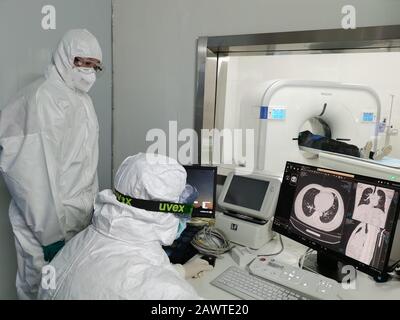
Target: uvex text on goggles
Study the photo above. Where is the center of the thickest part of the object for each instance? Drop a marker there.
(156, 206)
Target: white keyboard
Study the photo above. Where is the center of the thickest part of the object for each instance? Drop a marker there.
(246, 286)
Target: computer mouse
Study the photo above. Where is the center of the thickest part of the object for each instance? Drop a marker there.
(210, 259)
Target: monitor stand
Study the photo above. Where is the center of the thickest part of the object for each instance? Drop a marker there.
(325, 265)
(331, 268)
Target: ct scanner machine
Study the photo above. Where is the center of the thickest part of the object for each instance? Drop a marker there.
(279, 110)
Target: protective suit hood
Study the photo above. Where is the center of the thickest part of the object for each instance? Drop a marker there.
(122, 222)
(75, 43)
(142, 178)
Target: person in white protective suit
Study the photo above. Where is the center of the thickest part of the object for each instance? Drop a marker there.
(120, 256)
(49, 156)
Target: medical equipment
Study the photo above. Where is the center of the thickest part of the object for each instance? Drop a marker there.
(344, 112)
(249, 203)
(311, 210)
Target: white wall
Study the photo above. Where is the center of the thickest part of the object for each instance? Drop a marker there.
(25, 52)
(155, 51)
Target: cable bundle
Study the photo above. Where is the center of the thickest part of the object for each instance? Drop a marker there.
(210, 241)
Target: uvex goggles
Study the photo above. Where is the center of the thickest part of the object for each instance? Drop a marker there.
(179, 209)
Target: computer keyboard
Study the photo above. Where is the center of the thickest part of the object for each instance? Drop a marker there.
(246, 286)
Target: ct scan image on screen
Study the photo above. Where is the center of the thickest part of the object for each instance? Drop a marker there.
(349, 214)
(365, 243)
(372, 204)
(319, 206)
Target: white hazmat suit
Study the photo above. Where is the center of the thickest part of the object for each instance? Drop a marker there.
(49, 157)
(120, 255)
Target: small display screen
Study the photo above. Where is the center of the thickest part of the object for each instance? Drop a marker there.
(246, 192)
(368, 117)
(278, 114)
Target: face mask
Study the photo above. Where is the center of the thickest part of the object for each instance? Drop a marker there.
(188, 196)
(83, 79)
(181, 227)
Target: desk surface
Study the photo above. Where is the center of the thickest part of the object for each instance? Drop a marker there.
(366, 287)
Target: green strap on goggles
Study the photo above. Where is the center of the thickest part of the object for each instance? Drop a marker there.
(156, 206)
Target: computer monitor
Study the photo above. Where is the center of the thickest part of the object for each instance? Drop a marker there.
(251, 195)
(347, 217)
(204, 179)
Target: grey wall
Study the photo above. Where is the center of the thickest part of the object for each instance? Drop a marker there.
(25, 52)
(155, 51)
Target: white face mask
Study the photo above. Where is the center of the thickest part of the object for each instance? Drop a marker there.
(83, 80)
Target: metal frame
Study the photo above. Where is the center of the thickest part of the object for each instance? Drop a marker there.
(367, 39)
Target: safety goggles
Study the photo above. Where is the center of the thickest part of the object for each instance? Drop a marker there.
(178, 209)
(89, 65)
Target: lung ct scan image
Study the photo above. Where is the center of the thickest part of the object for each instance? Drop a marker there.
(367, 232)
(366, 243)
(372, 204)
(320, 206)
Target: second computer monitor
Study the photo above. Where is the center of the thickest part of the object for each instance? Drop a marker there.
(204, 180)
(348, 216)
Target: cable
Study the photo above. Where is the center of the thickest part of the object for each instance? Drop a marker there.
(268, 255)
(274, 254)
(198, 221)
(394, 266)
(211, 241)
